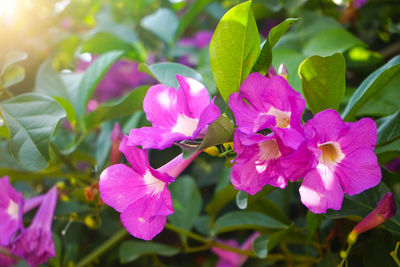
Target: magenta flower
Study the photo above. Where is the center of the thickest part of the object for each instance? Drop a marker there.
(35, 244)
(200, 40)
(343, 160)
(230, 258)
(176, 115)
(269, 103)
(6, 258)
(140, 193)
(258, 162)
(385, 209)
(11, 209)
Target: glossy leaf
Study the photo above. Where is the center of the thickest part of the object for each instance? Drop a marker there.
(92, 77)
(323, 80)
(165, 72)
(238, 31)
(31, 120)
(238, 220)
(265, 58)
(268, 207)
(265, 243)
(330, 41)
(313, 223)
(132, 250)
(371, 86)
(389, 129)
(220, 200)
(187, 202)
(163, 23)
(113, 109)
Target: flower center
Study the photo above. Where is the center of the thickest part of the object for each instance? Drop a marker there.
(331, 153)
(269, 150)
(154, 186)
(13, 209)
(185, 125)
(282, 117)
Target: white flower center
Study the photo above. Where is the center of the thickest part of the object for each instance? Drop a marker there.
(154, 185)
(282, 117)
(164, 99)
(268, 150)
(185, 125)
(13, 209)
(331, 153)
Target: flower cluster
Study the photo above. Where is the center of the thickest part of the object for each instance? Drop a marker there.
(35, 244)
(139, 192)
(273, 146)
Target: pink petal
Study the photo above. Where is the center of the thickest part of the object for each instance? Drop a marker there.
(208, 115)
(328, 125)
(361, 134)
(136, 157)
(154, 138)
(321, 190)
(359, 171)
(297, 164)
(120, 186)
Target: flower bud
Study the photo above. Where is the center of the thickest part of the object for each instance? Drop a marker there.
(116, 138)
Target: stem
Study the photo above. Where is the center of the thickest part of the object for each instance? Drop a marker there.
(63, 158)
(344, 255)
(112, 241)
(394, 254)
(187, 233)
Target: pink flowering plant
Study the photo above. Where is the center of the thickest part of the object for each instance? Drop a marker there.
(199, 133)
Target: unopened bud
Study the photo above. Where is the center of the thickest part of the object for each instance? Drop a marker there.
(283, 71)
(116, 138)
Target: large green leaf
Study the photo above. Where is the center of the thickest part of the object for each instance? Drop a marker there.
(389, 129)
(265, 59)
(132, 250)
(124, 106)
(12, 58)
(220, 199)
(163, 23)
(292, 60)
(323, 81)
(234, 49)
(12, 75)
(371, 86)
(329, 42)
(31, 120)
(187, 202)
(165, 72)
(238, 220)
(92, 77)
(103, 42)
(265, 243)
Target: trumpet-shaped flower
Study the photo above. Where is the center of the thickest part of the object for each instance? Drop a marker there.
(176, 115)
(140, 193)
(11, 209)
(343, 160)
(35, 244)
(269, 103)
(258, 162)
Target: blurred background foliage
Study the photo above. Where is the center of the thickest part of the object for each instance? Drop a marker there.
(47, 46)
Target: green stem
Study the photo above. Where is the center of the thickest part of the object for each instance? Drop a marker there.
(344, 255)
(394, 254)
(112, 241)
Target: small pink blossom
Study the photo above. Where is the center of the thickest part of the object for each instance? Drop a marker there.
(176, 115)
(140, 193)
(343, 160)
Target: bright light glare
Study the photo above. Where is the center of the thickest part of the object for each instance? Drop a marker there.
(7, 9)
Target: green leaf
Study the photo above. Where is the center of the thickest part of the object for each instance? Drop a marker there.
(187, 202)
(219, 132)
(265, 58)
(292, 60)
(103, 42)
(238, 220)
(265, 243)
(103, 145)
(31, 120)
(323, 81)
(113, 109)
(268, 207)
(92, 77)
(12, 58)
(163, 23)
(12, 75)
(313, 223)
(220, 199)
(389, 129)
(132, 250)
(371, 86)
(234, 49)
(329, 42)
(165, 72)
(241, 200)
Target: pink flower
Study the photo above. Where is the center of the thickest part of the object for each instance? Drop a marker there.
(230, 258)
(343, 160)
(200, 40)
(176, 115)
(35, 244)
(385, 209)
(258, 162)
(140, 193)
(11, 209)
(269, 103)
(6, 258)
